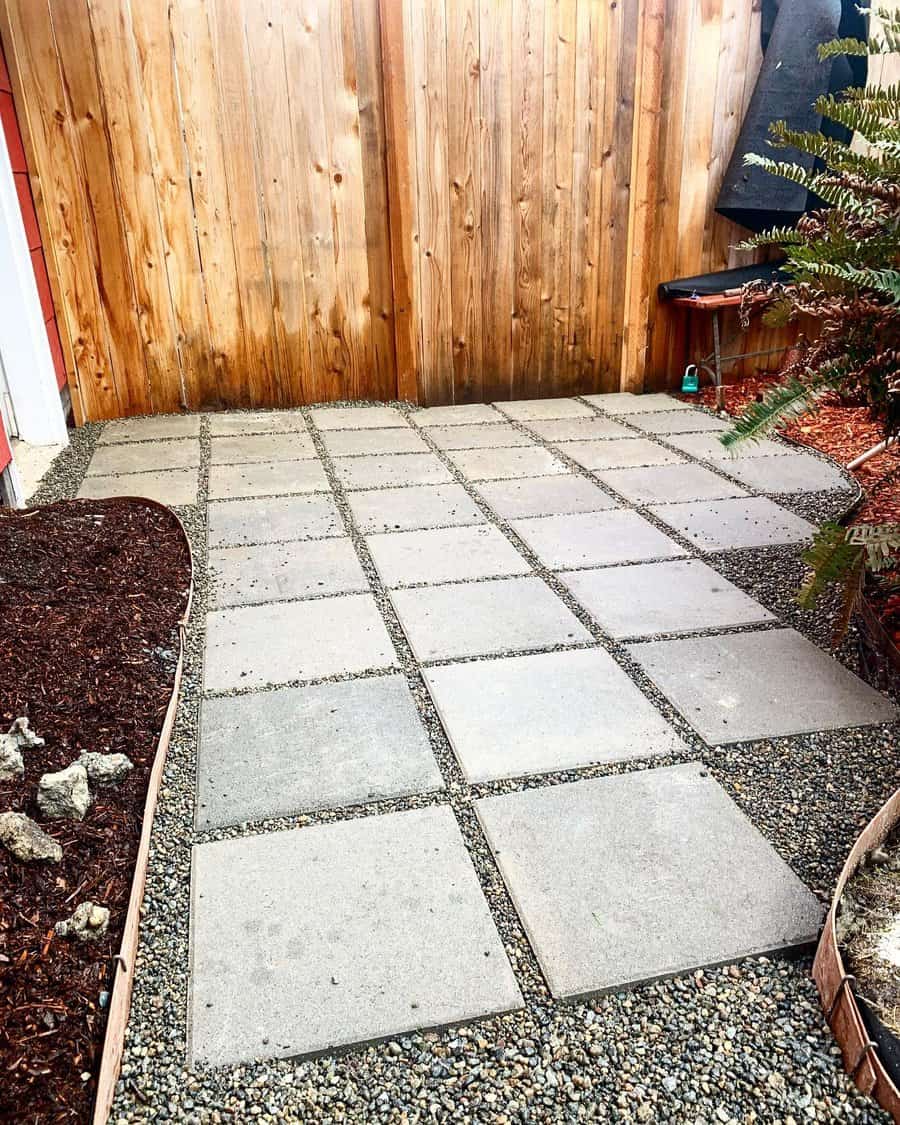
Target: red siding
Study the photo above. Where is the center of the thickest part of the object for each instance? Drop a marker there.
(29, 220)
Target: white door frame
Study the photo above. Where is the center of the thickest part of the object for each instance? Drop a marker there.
(24, 347)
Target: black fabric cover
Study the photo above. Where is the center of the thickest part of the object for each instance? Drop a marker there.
(790, 80)
(709, 284)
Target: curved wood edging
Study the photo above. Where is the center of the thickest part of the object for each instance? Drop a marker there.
(123, 979)
(860, 1054)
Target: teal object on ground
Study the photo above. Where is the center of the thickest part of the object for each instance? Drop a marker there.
(690, 381)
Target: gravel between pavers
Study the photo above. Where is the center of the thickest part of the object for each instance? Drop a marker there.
(743, 1043)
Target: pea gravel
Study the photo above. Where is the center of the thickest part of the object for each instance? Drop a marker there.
(744, 1043)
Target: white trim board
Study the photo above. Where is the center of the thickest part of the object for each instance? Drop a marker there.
(24, 348)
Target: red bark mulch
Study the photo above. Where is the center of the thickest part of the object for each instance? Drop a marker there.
(843, 431)
(91, 594)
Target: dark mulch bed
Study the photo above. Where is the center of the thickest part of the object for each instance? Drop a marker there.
(91, 593)
(842, 430)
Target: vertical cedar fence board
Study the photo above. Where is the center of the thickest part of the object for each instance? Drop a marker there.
(276, 202)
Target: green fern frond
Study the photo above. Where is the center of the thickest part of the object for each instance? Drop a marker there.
(880, 543)
(832, 559)
(787, 400)
(886, 282)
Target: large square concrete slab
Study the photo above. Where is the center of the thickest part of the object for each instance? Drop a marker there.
(618, 454)
(722, 525)
(256, 422)
(669, 484)
(357, 417)
(544, 496)
(404, 509)
(237, 523)
(578, 429)
(269, 478)
(682, 596)
(280, 571)
(536, 409)
(505, 464)
(282, 752)
(448, 554)
(800, 473)
(254, 646)
(464, 414)
(156, 427)
(501, 434)
(665, 422)
(708, 447)
(357, 443)
(595, 539)
(173, 486)
(552, 711)
(144, 457)
(391, 471)
(482, 618)
(626, 403)
(743, 686)
(338, 934)
(621, 880)
(246, 449)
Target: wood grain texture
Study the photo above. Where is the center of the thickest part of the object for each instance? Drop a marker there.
(270, 202)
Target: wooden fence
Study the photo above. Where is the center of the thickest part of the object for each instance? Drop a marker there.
(266, 202)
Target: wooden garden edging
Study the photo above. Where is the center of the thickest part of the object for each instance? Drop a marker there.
(123, 979)
(860, 1054)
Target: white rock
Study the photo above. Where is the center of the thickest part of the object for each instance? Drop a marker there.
(106, 769)
(65, 794)
(23, 734)
(11, 764)
(88, 923)
(26, 840)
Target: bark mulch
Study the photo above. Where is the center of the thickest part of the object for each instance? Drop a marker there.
(843, 431)
(91, 593)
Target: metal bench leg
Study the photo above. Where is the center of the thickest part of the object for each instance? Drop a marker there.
(717, 360)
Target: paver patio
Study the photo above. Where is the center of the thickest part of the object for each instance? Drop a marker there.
(457, 582)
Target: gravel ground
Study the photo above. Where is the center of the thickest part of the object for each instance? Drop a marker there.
(738, 1044)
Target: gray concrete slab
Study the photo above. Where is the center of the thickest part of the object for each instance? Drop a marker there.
(664, 422)
(173, 486)
(618, 454)
(341, 933)
(287, 751)
(800, 473)
(357, 417)
(144, 457)
(759, 685)
(722, 525)
(544, 496)
(272, 519)
(462, 415)
(391, 470)
(269, 478)
(621, 880)
(681, 596)
(155, 427)
(708, 447)
(404, 509)
(551, 711)
(248, 449)
(595, 539)
(450, 554)
(669, 484)
(502, 434)
(578, 429)
(505, 464)
(256, 422)
(482, 618)
(535, 409)
(255, 646)
(280, 571)
(357, 443)
(626, 403)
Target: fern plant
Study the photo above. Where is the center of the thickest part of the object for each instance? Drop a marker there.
(843, 259)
